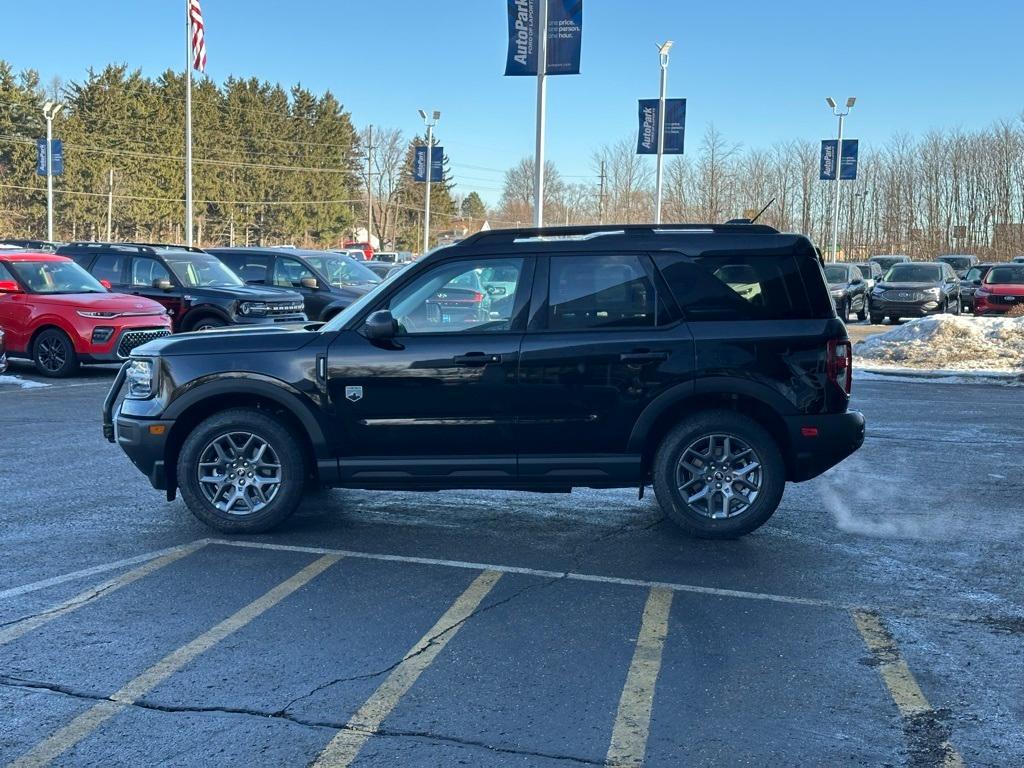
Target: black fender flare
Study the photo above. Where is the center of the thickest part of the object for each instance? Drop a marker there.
(710, 385)
(332, 309)
(198, 310)
(279, 392)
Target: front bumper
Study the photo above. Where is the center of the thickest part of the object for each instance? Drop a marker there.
(820, 442)
(904, 309)
(294, 317)
(143, 440)
(120, 347)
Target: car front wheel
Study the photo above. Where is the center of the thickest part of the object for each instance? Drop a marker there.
(241, 471)
(719, 475)
(54, 354)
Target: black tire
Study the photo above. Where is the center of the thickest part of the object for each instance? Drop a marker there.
(862, 313)
(691, 431)
(843, 310)
(877, 319)
(206, 323)
(894, 319)
(54, 354)
(956, 307)
(280, 441)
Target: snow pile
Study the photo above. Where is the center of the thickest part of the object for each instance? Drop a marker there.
(20, 382)
(948, 342)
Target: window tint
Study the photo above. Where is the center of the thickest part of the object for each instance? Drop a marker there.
(452, 297)
(108, 267)
(249, 267)
(599, 292)
(288, 273)
(5, 273)
(146, 271)
(738, 287)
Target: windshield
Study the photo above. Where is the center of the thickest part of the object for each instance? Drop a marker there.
(959, 263)
(1006, 276)
(914, 273)
(887, 261)
(55, 277)
(194, 271)
(865, 270)
(836, 273)
(342, 270)
(353, 309)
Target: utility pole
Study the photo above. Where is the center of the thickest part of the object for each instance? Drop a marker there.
(50, 110)
(542, 99)
(430, 122)
(838, 112)
(188, 123)
(663, 59)
(110, 205)
(600, 199)
(369, 185)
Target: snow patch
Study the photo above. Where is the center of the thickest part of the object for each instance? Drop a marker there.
(948, 343)
(20, 382)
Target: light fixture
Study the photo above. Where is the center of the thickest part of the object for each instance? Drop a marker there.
(831, 102)
(850, 102)
(423, 114)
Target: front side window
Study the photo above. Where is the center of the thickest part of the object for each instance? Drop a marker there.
(453, 298)
(145, 272)
(289, 273)
(599, 292)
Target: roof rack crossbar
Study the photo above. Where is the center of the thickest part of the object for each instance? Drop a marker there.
(588, 231)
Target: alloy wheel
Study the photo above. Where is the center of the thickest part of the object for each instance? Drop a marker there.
(239, 473)
(719, 476)
(50, 354)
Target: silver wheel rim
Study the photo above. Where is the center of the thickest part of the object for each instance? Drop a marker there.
(719, 476)
(239, 473)
(51, 354)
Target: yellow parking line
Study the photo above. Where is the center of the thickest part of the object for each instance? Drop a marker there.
(633, 720)
(906, 693)
(87, 722)
(347, 743)
(19, 628)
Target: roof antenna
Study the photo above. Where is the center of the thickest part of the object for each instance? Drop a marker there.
(762, 210)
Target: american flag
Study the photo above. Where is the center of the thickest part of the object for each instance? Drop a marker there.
(195, 15)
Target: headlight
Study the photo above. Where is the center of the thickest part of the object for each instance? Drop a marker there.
(252, 308)
(877, 290)
(97, 315)
(141, 382)
(837, 293)
(932, 292)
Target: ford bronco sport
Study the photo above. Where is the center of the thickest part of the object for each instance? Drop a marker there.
(705, 360)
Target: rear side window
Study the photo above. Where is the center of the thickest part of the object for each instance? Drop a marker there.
(108, 267)
(599, 292)
(251, 268)
(738, 286)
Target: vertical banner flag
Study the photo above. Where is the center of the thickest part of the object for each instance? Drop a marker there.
(195, 14)
(56, 151)
(419, 165)
(675, 126)
(829, 149)
(565, 37)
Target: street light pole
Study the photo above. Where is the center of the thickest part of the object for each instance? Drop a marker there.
(663, 57)
(50, 110)
(542, 101)
(841, 114)
(430, 122)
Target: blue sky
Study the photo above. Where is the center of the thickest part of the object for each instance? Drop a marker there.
(759, 71)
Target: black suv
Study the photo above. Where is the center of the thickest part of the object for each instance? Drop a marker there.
(197, 289)
(849, 290)
(705, 360)
(327, 281)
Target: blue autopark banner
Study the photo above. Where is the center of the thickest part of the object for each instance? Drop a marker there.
(675, 126)
(565, 37)
(829, 148)
(56, 150)
(419, 165)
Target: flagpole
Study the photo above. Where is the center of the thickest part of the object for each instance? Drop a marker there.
(188, 123)
(542, 100)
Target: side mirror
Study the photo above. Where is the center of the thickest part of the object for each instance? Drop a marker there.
(9, 286)
(496, 290)
(380, 326)
(858, 281)
(163, 284)
(106, 284)
(309, 282)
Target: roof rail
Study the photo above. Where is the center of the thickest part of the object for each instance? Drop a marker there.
(175, 246)
(590, 231)
(135, 247)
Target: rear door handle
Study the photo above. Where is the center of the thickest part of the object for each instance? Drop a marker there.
(643, 357)
(476, 359)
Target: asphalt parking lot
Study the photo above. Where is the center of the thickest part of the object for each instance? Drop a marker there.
(878, 619)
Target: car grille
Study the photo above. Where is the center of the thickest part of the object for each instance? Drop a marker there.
(132, 339)
(1007, 299)
(905, 295)
(285, 309)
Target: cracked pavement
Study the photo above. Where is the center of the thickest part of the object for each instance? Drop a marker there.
(923, 525)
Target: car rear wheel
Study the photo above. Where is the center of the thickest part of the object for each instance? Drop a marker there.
(54, 354)
(241, 471)
(877, 319)
(719, 475)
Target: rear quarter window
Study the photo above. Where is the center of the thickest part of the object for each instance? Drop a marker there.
(745, 286)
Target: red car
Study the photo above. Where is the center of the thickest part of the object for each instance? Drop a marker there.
(366, 248)
(58, 315)
(1001, 290)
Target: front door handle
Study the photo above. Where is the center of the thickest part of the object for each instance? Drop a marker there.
(476, 359)
(642, 358)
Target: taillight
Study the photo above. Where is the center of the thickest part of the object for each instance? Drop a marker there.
(477, 297)
(840, 364)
